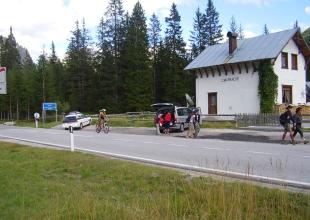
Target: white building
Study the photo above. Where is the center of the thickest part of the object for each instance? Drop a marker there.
(227, 74)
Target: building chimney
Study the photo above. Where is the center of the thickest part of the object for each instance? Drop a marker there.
(232, 41)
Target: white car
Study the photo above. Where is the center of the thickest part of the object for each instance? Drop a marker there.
(76, 120)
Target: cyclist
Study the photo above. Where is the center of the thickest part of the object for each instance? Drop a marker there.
(102, 117)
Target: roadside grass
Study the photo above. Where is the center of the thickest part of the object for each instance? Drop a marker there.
(47, 124)
(128, 122)
(40, 183)
(218, 124)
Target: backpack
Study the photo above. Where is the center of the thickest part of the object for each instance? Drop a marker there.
(188, 119)
(283, 118)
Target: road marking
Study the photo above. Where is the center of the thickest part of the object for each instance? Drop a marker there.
(150, 142)
(306, 156)
(85, 136)
(123, 140)
(178, 145)
(265, 179)
(270, 180)
(213, 148)
(257, 152)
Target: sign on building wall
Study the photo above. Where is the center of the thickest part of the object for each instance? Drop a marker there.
(3, 80)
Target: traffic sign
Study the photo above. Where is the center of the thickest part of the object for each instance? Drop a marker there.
(49, 106)
(3, 80)
(3, 74)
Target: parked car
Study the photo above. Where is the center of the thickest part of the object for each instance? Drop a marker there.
(76, 120)
(178, 115)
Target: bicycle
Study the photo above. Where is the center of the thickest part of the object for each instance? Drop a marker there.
(102, 126)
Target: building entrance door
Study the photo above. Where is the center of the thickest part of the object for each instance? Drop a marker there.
(212, 103)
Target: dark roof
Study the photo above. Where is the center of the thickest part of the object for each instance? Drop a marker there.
(257, 48)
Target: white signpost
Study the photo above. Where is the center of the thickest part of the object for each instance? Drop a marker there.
(3, 80)
(36, 118)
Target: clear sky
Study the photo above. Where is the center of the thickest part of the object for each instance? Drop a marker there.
(36, 23)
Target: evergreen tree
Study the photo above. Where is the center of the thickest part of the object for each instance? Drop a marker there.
(198, 36)
(154, 35)
(173, 81)
(116, 34)
(137, 69)
(296, 25)
(10, 56)
(233, 25)
(265, 30)
(154, 40)
(104, 83)
(80, 69)
(268, 84)
(56, 78)
(213, 29)
(240, 32)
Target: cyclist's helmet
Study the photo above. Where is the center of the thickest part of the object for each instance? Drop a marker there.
(102, 110)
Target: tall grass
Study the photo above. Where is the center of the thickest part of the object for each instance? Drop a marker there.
(46, 184)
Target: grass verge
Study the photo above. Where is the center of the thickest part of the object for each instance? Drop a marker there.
(48, 184)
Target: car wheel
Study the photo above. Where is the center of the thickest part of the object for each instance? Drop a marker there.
(181, 127)
(81, 126)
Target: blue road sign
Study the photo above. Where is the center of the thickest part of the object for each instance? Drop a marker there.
(49, 106)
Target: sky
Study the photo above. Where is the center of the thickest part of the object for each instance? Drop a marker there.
(36, 23)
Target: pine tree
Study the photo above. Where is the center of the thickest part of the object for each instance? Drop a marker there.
(265, 30)
(198, 36)
(212, 27)
(233, 25)
(154, 35)
(80, 69)
(173, 81)
(104, 83)
(240, 32)
(154, 40)
(56, 77)
(116, 34)
(137, 69)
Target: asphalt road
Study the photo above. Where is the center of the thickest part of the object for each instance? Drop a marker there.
(266, 161)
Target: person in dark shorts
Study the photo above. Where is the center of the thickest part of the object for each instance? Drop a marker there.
(167, 121)
(285, 120)
(297, 124)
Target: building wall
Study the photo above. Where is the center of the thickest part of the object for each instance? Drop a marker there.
(296, 78)
(236, 93)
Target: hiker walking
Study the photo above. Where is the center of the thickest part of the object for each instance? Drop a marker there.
(191, 129)
(285, 120)
(196, 123)
(297, 125)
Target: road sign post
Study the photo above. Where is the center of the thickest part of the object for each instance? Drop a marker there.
(48, 106)
(36, 119)
(71, 138)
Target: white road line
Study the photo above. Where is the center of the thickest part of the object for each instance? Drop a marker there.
(299, 184)
(84, 136)
(54, 133)
(178, 145)
(257, 152)
(213, 148)
(123, 140)
(150, 142)
(306, 156)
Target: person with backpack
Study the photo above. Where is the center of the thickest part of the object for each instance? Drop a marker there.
(190, 120)
(285, 120)
(297, 122)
